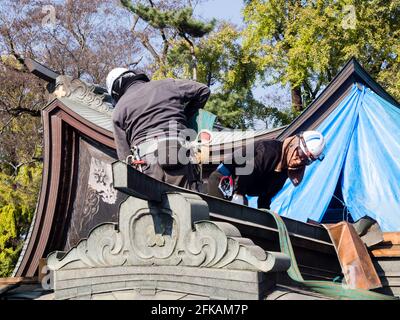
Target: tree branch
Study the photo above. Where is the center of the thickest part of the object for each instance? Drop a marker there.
(136, 62)
(63, 45)
(14, 52)
(7, 124)
(307, 86)
(209, 74)
(146, 43)
(18, 111)
(166, 43)
(317, 87)
(135, 22)
(192, 53)
(17, 167)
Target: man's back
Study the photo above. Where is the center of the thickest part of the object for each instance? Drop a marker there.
(264, 179)
(150, 108)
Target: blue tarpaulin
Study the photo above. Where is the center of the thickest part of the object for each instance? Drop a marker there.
(362, 154)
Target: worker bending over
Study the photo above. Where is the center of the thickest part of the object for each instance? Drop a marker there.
(273, 162)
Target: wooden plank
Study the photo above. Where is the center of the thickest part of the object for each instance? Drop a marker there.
(357, 266)
(390, 247)
(389, 252)
(18, 280)
(393, 237)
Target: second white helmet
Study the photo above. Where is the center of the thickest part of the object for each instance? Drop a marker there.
(313, 144)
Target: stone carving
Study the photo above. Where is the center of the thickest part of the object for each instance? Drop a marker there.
(176, 232)
(100, 180)
(82, 92)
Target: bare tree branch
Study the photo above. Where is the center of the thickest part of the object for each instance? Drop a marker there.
(135, 22)
(135, 63)
(18, 166)
(18, 111)
(146, 43)
(13, 50)
(166, 43)
(6, 124)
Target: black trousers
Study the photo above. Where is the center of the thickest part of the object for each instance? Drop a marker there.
(185, 176)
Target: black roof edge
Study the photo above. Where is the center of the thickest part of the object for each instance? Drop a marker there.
(366, 79)
(40, 70)
(350, 74)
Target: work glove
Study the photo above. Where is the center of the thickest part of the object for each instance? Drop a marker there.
(239, 199)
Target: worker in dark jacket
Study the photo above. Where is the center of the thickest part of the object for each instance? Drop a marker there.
(273, 162)
(149, 120)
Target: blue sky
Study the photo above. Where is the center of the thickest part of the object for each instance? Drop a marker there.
(221, 9)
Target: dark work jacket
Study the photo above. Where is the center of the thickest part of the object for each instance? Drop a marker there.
(146, 109)
(264, 181)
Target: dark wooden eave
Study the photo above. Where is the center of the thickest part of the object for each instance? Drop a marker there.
(62, 128)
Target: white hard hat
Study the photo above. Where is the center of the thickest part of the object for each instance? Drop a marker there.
(312, 143)
(113, 75)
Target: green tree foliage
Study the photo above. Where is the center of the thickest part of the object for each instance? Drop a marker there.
(181, 20)
(182, 26)
(20, 176)
(84, 40)
(305, 43)
(18, 195)
(226, 65)
(20, 150)
(221, 64)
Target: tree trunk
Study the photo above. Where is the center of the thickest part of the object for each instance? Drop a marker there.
(193, 54)
(297, 103)
(194, 63)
